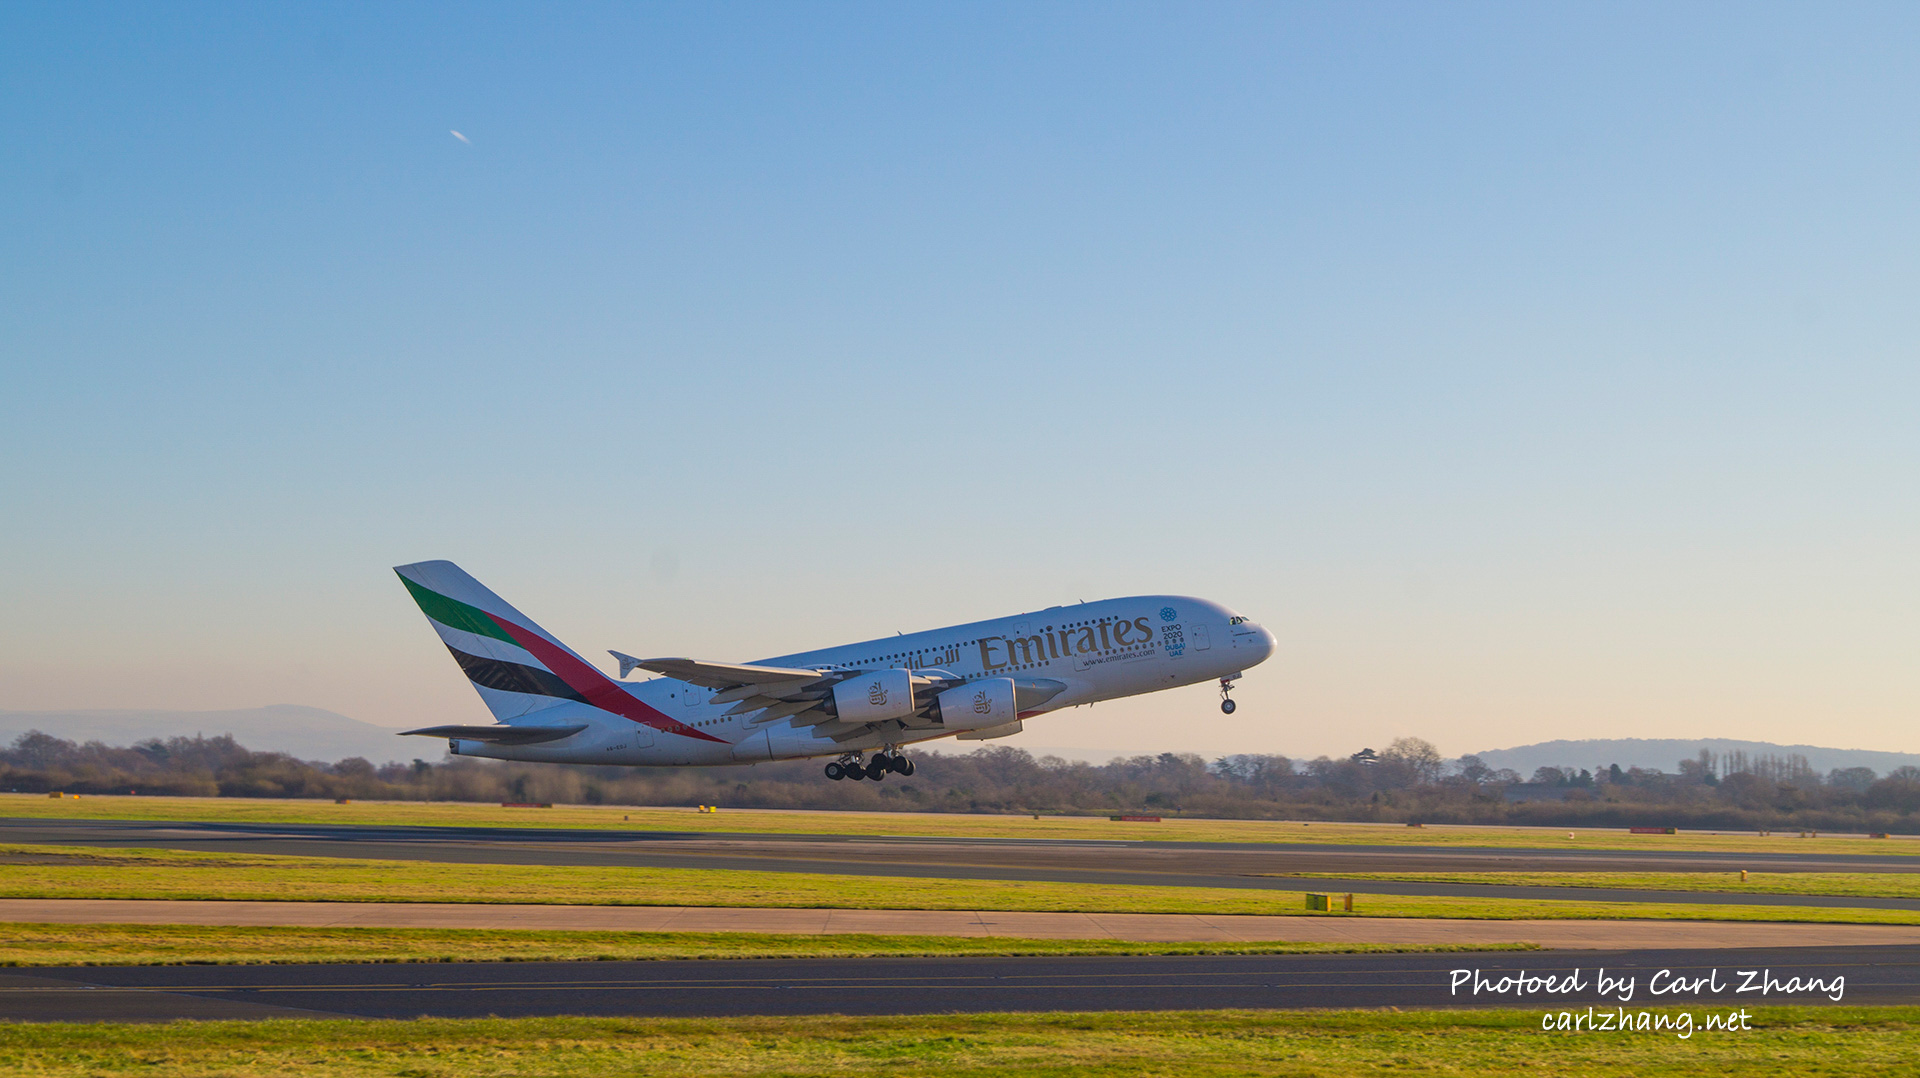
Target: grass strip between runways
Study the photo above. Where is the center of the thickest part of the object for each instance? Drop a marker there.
(1808, 1042)
(91, 872)
(166, 945)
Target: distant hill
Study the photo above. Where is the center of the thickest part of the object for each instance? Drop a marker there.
(309, 733)
(1666, 753)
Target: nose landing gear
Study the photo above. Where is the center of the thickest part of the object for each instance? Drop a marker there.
(1226, 686)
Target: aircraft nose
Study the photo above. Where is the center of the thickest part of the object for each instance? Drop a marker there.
(1256, 646)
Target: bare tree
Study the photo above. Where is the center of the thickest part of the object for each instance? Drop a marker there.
(1418, 756)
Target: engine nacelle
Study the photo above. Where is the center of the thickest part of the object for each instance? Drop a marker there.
(875, 696)
(977, 704)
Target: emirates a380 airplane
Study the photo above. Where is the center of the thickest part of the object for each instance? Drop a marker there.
(972, 682)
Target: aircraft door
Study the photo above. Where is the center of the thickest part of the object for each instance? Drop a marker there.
(1198, 635)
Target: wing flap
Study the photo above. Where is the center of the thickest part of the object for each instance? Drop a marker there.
(776, 690)
(784, 708)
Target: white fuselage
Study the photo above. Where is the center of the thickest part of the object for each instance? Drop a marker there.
(1098, 651)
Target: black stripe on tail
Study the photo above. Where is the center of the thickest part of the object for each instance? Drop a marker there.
(513, 677)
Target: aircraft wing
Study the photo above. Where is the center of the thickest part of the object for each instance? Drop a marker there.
(711, 675)
(776, 692)
(801, 697)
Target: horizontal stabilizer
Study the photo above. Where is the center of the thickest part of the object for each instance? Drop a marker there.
(500, 735)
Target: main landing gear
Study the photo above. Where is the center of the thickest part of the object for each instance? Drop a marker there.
(1226, 686)
(887, 759)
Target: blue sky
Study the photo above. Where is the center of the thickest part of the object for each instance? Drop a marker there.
(1531, 370)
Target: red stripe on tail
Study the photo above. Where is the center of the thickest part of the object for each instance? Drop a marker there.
(595, 686)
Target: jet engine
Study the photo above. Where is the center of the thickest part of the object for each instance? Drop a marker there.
(875, 696)
(977, 704)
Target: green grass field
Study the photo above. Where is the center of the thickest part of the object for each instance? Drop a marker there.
(1849, 1042)
(616, 818)
(1849, 884)
(88, 872)
(174, 945)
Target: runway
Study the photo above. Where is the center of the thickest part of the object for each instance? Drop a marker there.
(1117, 862)
(907, 986)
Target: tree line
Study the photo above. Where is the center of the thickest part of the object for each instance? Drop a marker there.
(1407, 782)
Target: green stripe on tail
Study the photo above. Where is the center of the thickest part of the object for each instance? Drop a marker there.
(455, 614)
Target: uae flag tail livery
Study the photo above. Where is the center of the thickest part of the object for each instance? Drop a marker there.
(519, 669)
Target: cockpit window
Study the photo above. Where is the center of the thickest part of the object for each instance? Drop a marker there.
(1236, 619)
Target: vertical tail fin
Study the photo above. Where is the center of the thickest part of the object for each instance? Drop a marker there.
(509, 659)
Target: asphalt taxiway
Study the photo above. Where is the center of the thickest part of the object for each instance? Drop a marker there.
(1269, 866)
(907, 986)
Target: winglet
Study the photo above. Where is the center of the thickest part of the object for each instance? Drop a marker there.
(627, 662)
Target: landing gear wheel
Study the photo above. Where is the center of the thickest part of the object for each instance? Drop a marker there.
(877, 770)
(904, 766)
(1226, 686)
(836, 772)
